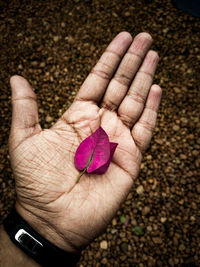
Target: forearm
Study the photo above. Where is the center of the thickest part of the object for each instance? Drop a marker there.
(11, 255)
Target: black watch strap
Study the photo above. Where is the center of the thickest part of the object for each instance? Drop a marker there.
(36, 246)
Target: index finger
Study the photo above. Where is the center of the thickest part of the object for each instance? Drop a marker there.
(97, 81)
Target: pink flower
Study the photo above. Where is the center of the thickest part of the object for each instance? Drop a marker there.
(95, 153)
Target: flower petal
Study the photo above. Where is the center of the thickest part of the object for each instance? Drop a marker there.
(104, 168)
(101, 152)
(94, 148)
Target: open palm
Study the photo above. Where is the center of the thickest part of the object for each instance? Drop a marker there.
(118, 96)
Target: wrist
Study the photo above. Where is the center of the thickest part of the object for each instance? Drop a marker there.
(46, 230)
(34, 245)
(11, 255)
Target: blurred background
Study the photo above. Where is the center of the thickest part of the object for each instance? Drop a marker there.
(54, 44)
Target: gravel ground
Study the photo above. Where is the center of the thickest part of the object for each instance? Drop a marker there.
(54, 44)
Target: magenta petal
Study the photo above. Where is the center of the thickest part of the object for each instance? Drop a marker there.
(84, 152)
(104, 168)
(96, 146)
(101, 152)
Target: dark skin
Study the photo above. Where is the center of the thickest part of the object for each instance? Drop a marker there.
(117, 95)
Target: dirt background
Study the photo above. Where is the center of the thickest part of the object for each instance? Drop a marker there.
(54, 44)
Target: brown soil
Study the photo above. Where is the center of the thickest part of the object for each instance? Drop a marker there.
(54, 44)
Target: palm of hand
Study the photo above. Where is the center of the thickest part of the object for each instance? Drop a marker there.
(50, 186)
(43, 165)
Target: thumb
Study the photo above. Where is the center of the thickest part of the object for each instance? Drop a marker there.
(24, 111)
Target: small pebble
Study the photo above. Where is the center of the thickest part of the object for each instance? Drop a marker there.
(163, 219)
(198, 188)
(49, 118)
(146, 210)
(104, 244)
(56, 38)
(104, 261)
(157, 240)
(140, 189)
(176, 128)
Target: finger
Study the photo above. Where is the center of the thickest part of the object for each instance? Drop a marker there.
(132, 105)
(143, 129)
(96, 83)
(24, 111)
(126, 71)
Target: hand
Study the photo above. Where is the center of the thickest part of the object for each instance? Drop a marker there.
(118, 95)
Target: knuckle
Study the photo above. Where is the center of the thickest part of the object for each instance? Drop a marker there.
(101, 73)
(146, 125)
(127, 120)
(123, 79)
(137, 97)
(109, 105)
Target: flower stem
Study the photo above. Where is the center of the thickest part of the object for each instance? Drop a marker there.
(79, 177)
